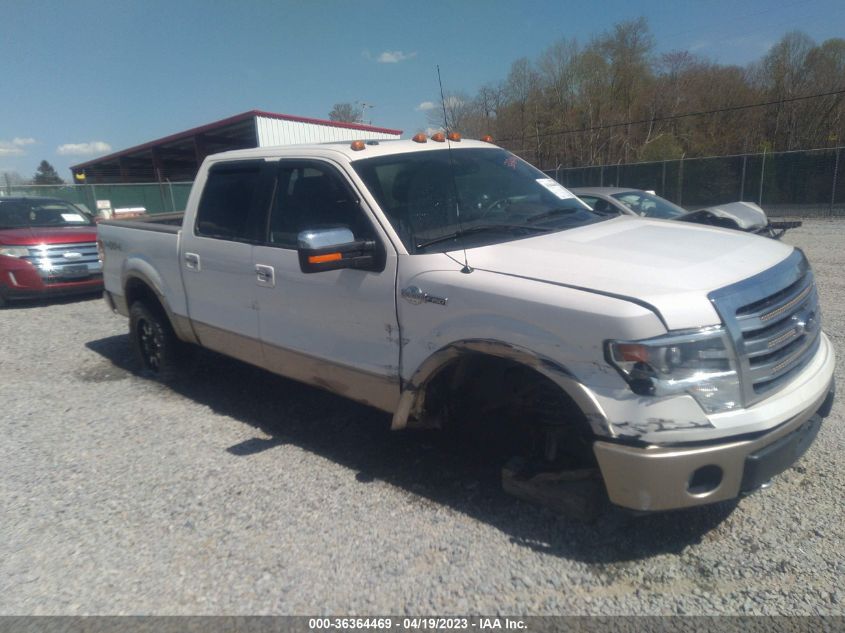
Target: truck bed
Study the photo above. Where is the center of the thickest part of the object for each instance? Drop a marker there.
(147, 246)
(162, 222)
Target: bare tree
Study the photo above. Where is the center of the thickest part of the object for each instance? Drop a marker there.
(612, 100)
(346, 113)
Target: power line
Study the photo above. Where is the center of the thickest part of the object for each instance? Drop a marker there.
(673, 117)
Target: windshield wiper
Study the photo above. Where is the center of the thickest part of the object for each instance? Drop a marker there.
(482, 229)
(553, 212)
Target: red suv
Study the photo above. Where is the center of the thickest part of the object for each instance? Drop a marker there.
(47, 247)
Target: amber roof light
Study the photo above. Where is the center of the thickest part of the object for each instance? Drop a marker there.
(419, 138)
(454, 136)
(487, 138)
(438, 137)
(357, 146)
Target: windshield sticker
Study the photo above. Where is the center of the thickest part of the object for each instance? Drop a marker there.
(555, 188)
(72, 217)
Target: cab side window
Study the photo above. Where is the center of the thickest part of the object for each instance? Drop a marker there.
(229, 205)
(313, 196)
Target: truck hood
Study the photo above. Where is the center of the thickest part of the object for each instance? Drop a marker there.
(670, 266)
(58, 235)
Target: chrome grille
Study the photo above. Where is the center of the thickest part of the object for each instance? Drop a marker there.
(65, 262)
(774, 321)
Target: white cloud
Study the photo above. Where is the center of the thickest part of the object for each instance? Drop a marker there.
(394, 57)
(15, 147)
(7, 149)
(425, 106)
(83, 149)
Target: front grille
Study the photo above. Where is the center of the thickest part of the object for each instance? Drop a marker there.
(775, 324)
(65, 262)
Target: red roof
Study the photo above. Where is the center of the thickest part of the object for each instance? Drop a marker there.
(229, 121)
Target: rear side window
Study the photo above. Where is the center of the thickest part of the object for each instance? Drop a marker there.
(230, 201)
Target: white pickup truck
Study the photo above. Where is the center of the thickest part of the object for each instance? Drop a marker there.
(450, 283)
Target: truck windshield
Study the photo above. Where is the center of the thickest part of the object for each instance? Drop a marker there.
(22, 214)
(473, 197)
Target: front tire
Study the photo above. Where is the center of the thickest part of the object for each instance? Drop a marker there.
(154, 341)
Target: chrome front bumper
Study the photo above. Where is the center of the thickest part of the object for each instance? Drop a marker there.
(650, 478)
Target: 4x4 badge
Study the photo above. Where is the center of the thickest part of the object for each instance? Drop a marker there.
(412, 294)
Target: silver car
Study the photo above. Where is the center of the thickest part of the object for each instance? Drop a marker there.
(742, 216)
(621, 201)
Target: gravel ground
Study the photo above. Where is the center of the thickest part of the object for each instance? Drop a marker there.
(238, 492)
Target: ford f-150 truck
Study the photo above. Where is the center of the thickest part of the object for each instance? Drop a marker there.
(449, 283)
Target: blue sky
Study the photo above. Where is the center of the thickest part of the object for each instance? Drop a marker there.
(87, 77)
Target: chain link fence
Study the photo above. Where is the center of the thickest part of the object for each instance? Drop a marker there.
(806, 183)
(154, 197)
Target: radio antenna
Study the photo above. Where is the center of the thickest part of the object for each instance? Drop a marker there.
(466, 269)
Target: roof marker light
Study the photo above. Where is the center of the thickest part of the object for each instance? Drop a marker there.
(419, 138)
(454, 136)
(438, 137)
(487, 138)
(357, 146)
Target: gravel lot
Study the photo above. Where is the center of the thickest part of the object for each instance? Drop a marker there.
(238, 492)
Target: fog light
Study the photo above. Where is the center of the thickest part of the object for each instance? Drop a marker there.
(704, 480)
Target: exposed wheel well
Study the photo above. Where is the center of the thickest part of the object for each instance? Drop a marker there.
(139, 290)
(492, 400)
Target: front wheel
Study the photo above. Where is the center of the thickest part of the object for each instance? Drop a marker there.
(154, 341)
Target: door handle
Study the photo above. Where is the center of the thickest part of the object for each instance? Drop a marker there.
(265, 276)
(192, 262)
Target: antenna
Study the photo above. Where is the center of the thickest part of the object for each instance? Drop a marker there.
(466, 269)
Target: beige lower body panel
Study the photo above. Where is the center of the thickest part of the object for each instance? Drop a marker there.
(381, 392)
(656, 478)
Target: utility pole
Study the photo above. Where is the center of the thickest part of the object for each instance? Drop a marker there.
(363, 105)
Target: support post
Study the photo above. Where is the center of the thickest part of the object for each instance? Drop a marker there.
(835, 176)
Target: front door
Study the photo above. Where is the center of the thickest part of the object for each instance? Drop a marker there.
(335, 329)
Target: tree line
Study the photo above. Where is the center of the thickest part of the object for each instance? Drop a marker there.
(46, 174)
(614, 99)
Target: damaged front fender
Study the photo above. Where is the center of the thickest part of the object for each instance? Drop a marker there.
(410, 411)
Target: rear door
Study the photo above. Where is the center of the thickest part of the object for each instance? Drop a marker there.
(336, 329)
(217, 262)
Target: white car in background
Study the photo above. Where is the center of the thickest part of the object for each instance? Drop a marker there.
(742, 216)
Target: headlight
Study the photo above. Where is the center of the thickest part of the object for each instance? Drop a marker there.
(700, 363)
(14, 251)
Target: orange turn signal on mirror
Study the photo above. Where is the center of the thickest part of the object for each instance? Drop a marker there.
(438, 137)
(357, 146)
(419, 138)
(321, 259)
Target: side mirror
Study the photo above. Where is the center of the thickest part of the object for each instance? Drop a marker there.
(333, 249)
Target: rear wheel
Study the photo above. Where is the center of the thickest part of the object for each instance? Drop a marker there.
(154, 341)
